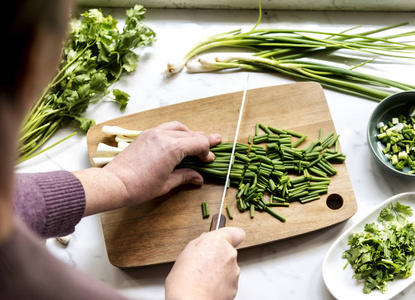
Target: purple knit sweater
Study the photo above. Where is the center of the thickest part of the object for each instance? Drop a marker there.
(46, 205)
(50, 203)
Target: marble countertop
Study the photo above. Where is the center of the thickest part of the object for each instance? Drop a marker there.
(349, 5)
(289, 269)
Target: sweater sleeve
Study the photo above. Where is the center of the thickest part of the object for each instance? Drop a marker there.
(50, 203)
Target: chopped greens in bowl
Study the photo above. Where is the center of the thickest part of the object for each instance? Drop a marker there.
(391, 134)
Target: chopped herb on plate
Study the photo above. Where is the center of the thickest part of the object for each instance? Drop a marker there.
(385, 251)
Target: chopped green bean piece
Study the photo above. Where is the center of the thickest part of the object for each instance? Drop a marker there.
(309, 199)
(228, 210)
(265, 129)
(250, 140)
(277, 204)
(252, 211)
(273, 213)
(205, 210)
(275, 130)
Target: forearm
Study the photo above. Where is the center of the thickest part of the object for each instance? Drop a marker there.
(103, 190)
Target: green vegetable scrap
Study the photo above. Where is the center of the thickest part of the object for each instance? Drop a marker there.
(205, 210)
(279, 169)
(94, 57)
(398, 137)
(229, 211)
(381, 255)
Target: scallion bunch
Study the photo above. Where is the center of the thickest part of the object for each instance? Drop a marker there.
(303, 54)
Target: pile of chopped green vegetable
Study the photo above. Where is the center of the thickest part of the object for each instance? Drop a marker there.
(380, 255)
(279, 169)
(94, 57)
(398, 137)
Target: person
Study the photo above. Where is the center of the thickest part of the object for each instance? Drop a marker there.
(41, 205)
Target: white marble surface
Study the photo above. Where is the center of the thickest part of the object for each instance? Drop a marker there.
(289, 269)
(349, 5)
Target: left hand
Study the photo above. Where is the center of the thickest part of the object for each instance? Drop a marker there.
(146, 168)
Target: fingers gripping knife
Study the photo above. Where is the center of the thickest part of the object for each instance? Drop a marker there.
(219, 220)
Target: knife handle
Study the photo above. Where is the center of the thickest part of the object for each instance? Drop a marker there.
(215, 218)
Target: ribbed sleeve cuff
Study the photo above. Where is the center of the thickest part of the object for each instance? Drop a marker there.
(57, 199)
(64, 197)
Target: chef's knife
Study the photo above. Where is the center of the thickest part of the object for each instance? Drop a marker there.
(219, 220)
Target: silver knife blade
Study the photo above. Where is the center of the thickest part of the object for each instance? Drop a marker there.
(218, 222)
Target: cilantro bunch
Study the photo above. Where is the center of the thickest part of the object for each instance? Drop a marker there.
(379, 255)
(95, 55)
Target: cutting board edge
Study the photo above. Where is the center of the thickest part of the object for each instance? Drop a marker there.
(136, 266)
(352, 209)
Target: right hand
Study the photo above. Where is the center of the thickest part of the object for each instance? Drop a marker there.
(207, 268)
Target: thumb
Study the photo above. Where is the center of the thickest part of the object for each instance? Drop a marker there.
(234, 235)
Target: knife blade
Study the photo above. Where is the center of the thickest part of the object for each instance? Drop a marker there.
(219, 220)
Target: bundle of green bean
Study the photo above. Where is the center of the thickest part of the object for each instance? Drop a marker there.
(257, 170)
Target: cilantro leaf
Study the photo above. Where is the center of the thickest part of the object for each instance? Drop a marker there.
(129, 61)
(84, 123)
(372, 228)
(386, 215)
(99, 82)
(121, 97)
(402, 211)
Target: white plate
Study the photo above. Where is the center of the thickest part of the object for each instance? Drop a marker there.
(339, 281)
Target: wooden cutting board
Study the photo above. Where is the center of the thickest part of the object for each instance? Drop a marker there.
(156, 232)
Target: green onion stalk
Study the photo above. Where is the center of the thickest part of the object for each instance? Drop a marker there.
(302, 54)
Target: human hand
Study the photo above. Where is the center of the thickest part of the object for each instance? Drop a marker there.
(207, 268)
(146, 167)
